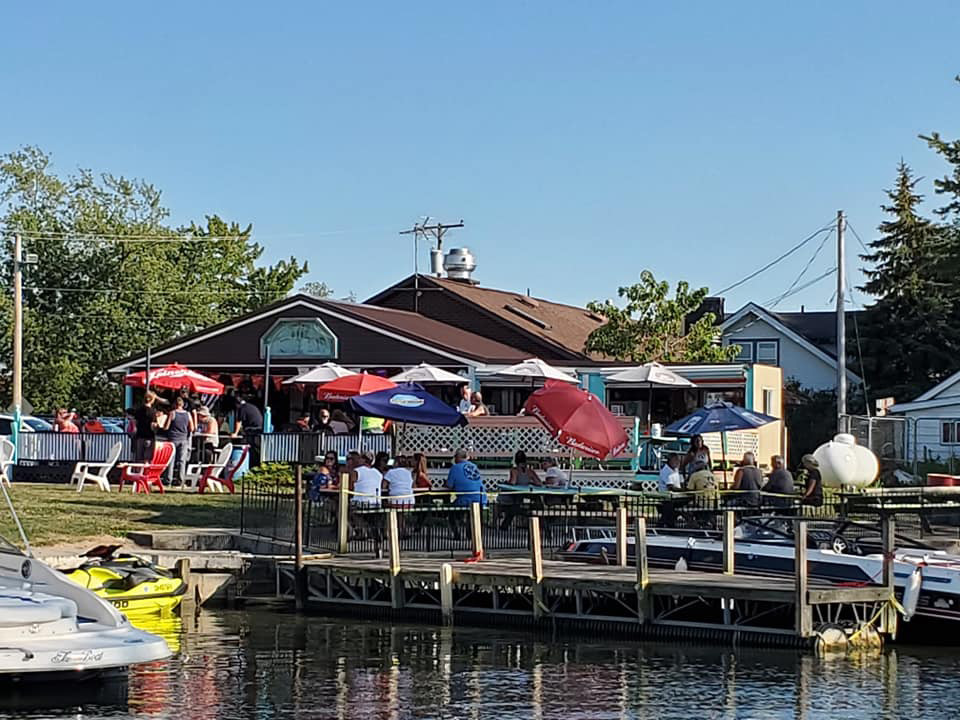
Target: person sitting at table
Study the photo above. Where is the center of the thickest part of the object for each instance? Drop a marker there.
(464, 479)
(304, 423)
(779, 484)
(339, 423)
(670, 477)
(553, 476)
(399, 482)
(477, 407)
(331, 461)
(421, 479)
(747, 481)
(697, 457)
(208, 433)
(521, 474)
(366, 481)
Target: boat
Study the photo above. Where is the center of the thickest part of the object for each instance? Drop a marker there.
(845, 553)
(132, 584)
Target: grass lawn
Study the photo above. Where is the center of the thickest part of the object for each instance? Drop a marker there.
(57, 513)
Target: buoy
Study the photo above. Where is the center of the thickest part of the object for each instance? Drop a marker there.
(681, 565)
(911, 593)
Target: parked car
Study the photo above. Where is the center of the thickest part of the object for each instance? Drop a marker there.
(28, 423)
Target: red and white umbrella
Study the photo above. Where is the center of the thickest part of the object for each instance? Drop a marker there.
(174, 377)
(344, 388)
(578, 419)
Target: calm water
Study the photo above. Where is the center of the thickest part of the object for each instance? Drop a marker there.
(267, 665)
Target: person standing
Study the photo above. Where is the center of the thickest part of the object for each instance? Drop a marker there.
(697, 457)
(477, 406)
(249, 425)
(145, 429)
(813, 492)
(179, 427)
(465, 404)
(64, 421)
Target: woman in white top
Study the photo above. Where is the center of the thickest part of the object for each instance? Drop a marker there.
(366, 481)
(400, 483)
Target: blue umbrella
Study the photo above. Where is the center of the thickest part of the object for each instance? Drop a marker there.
(721, 417)
(408, 402)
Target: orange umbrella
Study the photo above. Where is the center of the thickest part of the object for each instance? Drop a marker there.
(344, 388)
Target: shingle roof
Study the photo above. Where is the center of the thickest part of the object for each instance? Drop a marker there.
(820, 328)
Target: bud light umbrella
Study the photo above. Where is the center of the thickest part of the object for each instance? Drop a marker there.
(721, 417)
(407, 402)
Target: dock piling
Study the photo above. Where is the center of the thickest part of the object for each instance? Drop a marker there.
(343, 514)
(621, 537)
(804, 613)
(536, 567)
(640, 546)
(446, 593)
(393, 539)
(729, 551)
(476, 530)
(888, 538)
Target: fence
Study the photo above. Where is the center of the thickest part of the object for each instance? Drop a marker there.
(56, 447)
(310, 447)
(909, 448)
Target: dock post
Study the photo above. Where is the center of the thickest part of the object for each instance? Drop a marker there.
(393, 538)
(536, 567)
(476, 530)
(804, 614)
(181, 569)
(729, 548)
(343, 514)
(299, 574)
(643, 577)
(888, 539)
(621, 537)
(446, 593)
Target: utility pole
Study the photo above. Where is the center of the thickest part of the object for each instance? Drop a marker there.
(841, 325)
(437, 230)
(17, 338)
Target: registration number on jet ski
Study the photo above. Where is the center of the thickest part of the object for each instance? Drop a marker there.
(73, 657)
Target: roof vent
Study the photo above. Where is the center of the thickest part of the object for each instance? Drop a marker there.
(528, 301)
(527, 316)
(460, 264)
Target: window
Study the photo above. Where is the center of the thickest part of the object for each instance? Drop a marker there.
(746, 351)
(949, 432)
(768, 352)
(768, 402)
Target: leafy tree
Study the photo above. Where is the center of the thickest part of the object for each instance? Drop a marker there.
(114, 277)
(909, 335)
(316, 289)
(650, 326)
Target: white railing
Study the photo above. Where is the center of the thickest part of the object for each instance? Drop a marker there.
(307, 447)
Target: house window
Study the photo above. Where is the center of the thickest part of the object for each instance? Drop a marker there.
(949, 432)
(768, 352)
(746, 352)
(768, 402)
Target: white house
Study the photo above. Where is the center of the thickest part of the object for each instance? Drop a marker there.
(933, 421)
(802, 344)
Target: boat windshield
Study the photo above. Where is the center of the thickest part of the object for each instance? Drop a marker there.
(8, 547)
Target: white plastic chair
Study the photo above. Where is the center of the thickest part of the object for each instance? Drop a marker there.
(6, 459)
(208, 474)
(96, 472)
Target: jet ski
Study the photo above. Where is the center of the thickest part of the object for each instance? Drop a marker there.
(130, 583)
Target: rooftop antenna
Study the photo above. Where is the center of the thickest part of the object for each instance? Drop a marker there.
(424, 229)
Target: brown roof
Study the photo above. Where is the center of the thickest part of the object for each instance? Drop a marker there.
(429, 331)
(565, 327)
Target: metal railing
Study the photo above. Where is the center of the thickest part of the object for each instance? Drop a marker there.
(57, 447)
(307, 447)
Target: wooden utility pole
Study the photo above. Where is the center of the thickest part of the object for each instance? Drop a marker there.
(17, 330)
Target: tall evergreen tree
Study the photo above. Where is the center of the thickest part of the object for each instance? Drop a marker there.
(909, 337)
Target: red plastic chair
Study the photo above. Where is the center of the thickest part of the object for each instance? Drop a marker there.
(143, 475)
(231, 469)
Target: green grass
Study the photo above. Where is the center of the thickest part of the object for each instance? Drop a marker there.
(57, 513)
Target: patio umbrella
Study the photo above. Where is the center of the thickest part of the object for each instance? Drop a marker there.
(407, 402)
(652, 374)
(720, 417)
(174, 377)
(578, 419)
(321, 374)
(428, 374)
(537, 369)
(348, 386)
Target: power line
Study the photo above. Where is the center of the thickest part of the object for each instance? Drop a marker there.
(857, 236)
(785, 255)
(155, 292)
(803, 272)
(803, 287)
(173, 237)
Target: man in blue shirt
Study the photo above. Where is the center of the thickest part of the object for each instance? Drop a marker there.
(465, 480)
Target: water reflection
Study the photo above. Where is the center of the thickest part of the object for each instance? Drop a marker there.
(270, 665)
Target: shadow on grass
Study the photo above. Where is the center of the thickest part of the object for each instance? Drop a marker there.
(180, 514)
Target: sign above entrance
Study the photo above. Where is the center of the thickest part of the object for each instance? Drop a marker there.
(299, 338)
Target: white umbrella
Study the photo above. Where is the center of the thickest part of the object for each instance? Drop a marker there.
(424, 373)
(537, 369)
(320, 374)
(652, 374)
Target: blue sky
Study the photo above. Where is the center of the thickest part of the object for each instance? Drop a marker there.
(580, 142)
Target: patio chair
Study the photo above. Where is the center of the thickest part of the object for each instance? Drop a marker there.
(205, 475)
(230, 471)
(7, 451)
(96, 472)
(143, 475)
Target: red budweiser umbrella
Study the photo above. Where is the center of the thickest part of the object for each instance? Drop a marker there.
(174, 377)
(344, 388)
(578, 420)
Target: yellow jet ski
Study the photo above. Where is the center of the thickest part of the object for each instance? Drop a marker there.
(135, 586)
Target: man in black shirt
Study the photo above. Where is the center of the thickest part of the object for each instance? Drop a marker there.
(780, 483)
(250, 424)
(145, 432)
(813, 491)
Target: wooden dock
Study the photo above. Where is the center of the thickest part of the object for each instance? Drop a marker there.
(620, 599)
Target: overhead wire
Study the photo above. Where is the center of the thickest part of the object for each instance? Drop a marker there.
(787, 293)
(773, 262)
(173, 237)
(803, 287)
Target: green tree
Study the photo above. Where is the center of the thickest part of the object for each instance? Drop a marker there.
(316, 289)
(113, 276)
(909, 335)
(650, 326)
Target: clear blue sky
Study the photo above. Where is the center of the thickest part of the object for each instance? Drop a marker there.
(580, 142)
